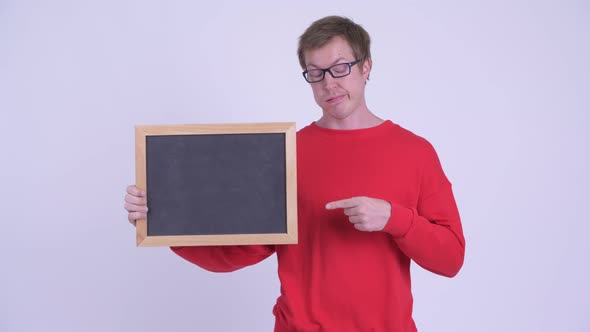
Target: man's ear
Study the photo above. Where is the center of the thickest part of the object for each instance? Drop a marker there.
(367, 65)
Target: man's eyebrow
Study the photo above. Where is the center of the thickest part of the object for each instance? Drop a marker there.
(335, 62)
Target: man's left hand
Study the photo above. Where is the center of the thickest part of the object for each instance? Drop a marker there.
(365, 213)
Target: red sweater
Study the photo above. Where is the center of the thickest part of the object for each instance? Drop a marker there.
(341, 279)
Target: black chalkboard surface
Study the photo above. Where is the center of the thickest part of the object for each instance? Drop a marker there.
(221, 184)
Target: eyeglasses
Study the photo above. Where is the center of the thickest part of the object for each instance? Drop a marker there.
(337, 70)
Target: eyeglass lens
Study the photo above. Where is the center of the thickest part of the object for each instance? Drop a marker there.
(338, 70)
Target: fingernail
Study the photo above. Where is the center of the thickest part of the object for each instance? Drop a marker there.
(328, 206)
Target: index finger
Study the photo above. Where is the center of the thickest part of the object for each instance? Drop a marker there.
(133, 190)
(342, 204)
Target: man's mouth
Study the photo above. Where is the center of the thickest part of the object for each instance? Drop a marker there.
(335, 99)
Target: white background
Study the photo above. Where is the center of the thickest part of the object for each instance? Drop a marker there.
(500, 88)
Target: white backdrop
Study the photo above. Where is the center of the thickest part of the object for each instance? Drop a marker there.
(501, 89)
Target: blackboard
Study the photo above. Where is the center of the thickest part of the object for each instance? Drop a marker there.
(222, 184)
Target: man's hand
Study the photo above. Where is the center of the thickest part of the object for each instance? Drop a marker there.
(135, 204)
(365, 213)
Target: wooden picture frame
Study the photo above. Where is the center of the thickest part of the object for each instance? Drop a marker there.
(235, 178)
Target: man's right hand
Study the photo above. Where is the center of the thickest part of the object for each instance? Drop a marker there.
(135, 204)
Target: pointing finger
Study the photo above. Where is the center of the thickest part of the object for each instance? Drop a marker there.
(342, 204)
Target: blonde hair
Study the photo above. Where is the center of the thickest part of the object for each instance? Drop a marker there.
(320, 32)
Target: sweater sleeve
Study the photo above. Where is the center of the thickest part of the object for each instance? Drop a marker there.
(224, 258)
(430, 234)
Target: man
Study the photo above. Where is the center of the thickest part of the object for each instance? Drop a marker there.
(371, 197)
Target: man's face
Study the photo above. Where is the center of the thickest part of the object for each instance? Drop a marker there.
(338, 97)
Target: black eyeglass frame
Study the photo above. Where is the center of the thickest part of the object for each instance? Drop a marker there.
(350, 64)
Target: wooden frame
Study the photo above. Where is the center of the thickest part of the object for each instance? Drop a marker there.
(289, 131)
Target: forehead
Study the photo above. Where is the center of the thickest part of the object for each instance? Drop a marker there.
(336, 50)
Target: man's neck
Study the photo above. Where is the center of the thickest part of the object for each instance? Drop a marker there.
(360, 120)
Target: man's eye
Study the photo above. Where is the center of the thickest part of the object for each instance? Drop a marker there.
(340, 69)
(315, 73)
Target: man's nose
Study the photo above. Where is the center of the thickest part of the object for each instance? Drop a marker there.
(328, 80)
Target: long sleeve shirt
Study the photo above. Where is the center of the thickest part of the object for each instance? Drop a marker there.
(338, 278)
